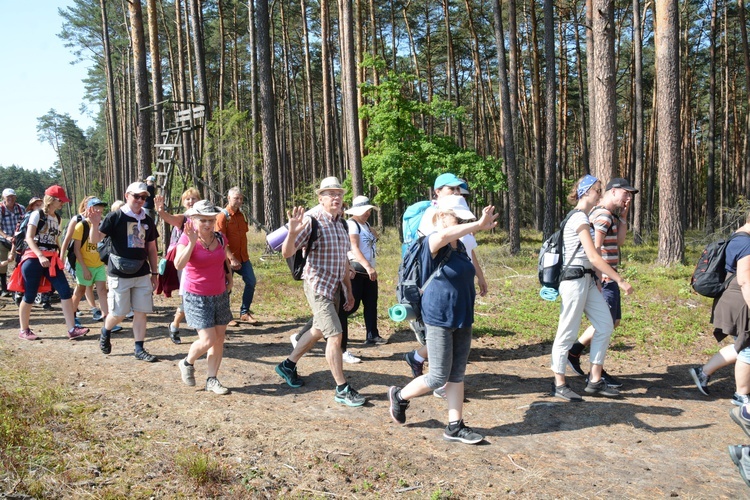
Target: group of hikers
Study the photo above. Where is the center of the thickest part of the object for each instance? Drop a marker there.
(208, 246)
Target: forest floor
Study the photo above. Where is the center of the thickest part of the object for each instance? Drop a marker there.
(662, 438)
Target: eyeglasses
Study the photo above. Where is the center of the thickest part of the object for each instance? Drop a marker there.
(206, 221)
(333, 194)
(142, 197)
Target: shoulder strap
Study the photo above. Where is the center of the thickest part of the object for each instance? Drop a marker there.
(226, 213)
(86, 228)
(439, 266)
(359, 228)
(562, 239)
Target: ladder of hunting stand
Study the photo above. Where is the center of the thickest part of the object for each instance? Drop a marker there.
(186, 120)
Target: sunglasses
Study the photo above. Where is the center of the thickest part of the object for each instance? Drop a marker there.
(142, 197)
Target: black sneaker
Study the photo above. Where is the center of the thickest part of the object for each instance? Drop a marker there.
(574, 362)
(289, 375)
(417, 368)
(104, 343)
(700, 379)
(565, 392)
(601, 388)
(463, 434)
(397, 408)
(610, 380)
(143, 355)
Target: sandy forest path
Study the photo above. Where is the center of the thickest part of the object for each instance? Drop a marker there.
(660, 439)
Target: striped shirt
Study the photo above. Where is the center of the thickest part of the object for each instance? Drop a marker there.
(327, 262)
(571, 241)
(606, 223)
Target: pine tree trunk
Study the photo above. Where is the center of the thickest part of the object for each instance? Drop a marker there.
(143, 132)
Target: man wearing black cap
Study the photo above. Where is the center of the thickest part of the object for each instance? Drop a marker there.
(610, 220)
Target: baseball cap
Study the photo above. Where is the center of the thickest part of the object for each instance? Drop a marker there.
(448, 179)
(58, 192)
(8, 192)
(151, 178)
(95, 202)
(137, 187)
(619, 182)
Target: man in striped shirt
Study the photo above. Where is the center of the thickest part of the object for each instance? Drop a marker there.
(326, 272)
(610, 220)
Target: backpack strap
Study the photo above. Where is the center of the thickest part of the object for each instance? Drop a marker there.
(439, 266)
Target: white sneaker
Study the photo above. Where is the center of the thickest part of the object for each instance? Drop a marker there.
(351, 358)
(293, 340)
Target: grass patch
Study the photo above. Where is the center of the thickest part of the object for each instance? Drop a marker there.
(200, 467)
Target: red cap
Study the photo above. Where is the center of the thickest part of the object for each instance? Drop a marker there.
(58, 192)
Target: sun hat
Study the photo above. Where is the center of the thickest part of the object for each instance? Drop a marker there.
(619, 182)
(457, 205)
(8, 192)
(31, 202)
(58, 192)
(330, 184)
(449, 179)
(93, 202)
(203, 207)
(137, 187)
(360, 205)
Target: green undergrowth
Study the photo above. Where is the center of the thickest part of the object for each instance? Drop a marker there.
(662, 313)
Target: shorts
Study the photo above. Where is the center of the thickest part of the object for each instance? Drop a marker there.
(206, 311)
(744, 354)
(611, 293)
(97, 274)
(325, 312)
(125, 294)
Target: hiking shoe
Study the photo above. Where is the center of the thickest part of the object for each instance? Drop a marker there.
(213, 385)
(187, 371)
(27, 334)
(700, 379)
(397, 408)
(376, 341)
(143, 355)
(744, 465)
(463, 434)
(76, 332)
(129, 315)
(47, 306)
(248, 318)
(740, 399)
(417, 368)
(574, 362)
(174, 334)
(96, 314)
(418, 328)
(17, 298)
(293, 339)
(115, 329)
(77, 323)
(735, 453)
(349, 397)
(105, 345)
(439, 393)
(601, 388)
(350, 358)
(610, 380)
(289, 375)
(741, 417)
(565, 392)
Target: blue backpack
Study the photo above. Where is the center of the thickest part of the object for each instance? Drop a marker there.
(411, 219)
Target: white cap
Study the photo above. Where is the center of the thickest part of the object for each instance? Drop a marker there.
(8, 192)
(137, 187)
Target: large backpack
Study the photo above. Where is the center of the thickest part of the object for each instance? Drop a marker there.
(71, 247)
(710, 271)
(550, 265)
(19, 238)
(410, 223)
(408, 289)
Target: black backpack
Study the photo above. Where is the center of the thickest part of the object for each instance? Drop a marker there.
(71, 250)
(19, 239)
(550, 265)
(408, 289)
(710, 271)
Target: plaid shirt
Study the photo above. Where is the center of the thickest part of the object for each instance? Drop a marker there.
(9, 219)
(327, 263)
